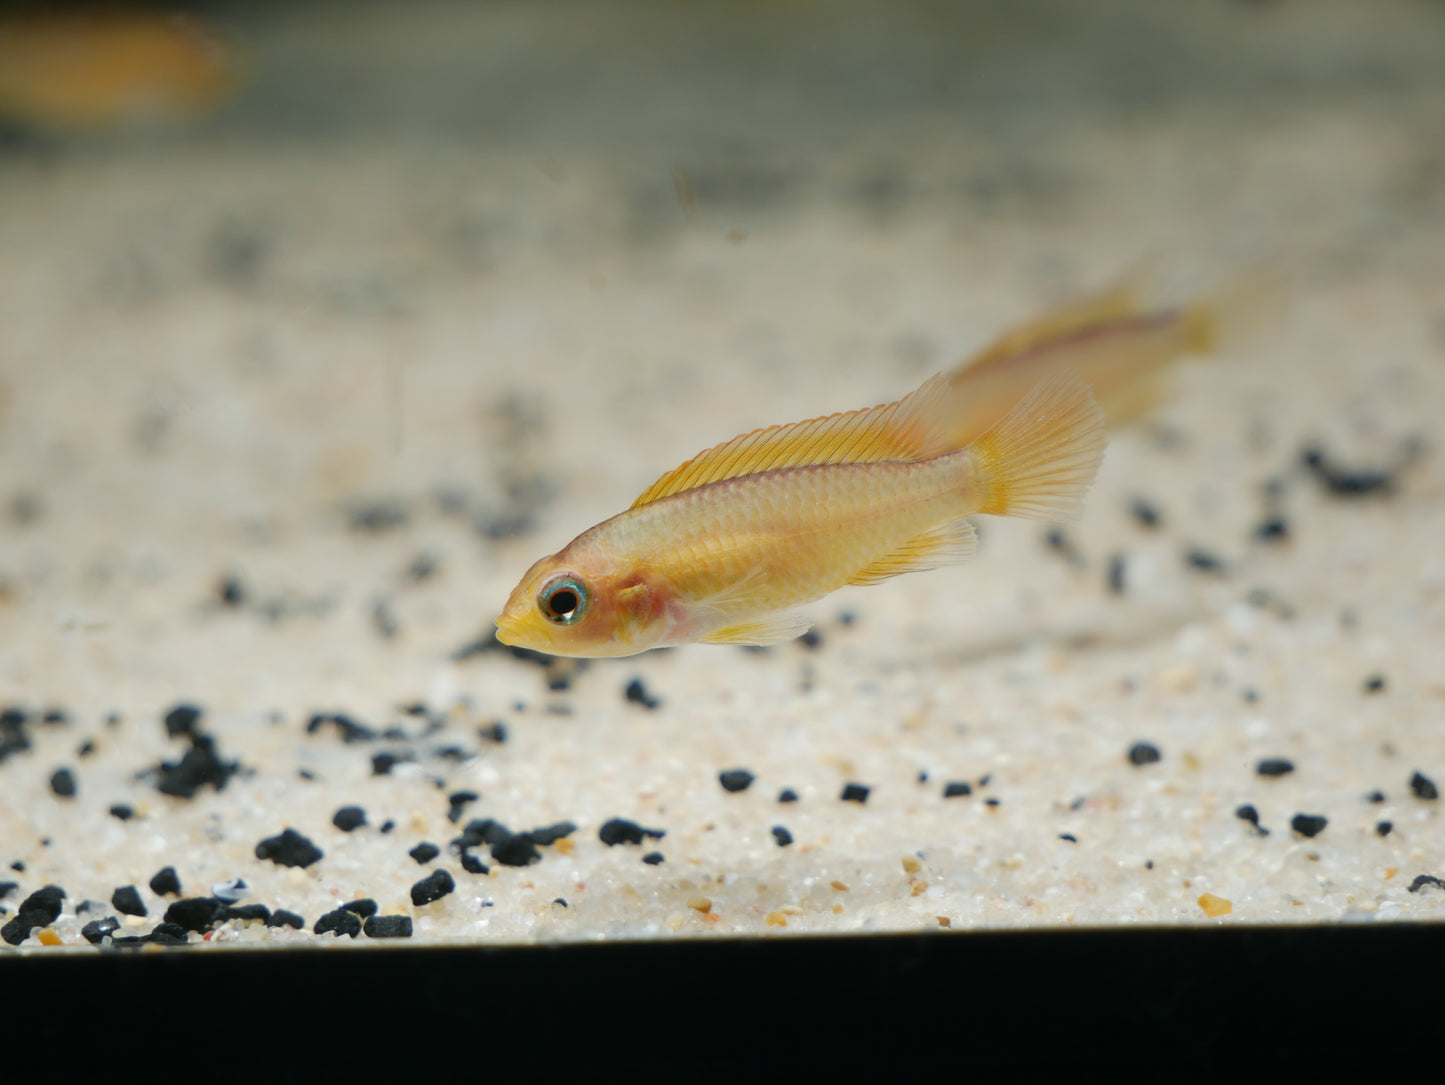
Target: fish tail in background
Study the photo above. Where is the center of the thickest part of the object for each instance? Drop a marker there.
(1117, 342)
(1041, 459)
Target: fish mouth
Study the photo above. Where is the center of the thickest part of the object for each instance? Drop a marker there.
(507, 631)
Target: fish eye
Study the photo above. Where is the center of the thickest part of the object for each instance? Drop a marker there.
(563, 601)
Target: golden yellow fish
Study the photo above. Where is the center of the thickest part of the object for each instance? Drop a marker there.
(726, 547)
(90, 68)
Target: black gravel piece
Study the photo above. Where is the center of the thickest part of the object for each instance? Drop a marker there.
(422, 567)
(1384, 828)
(290, 848)
(855, 793)
(1144, 512)
(1274, 766)
(1272, 529)
(199, 766)
(1115, 578)
(493, 732)
(480, 831)
(636, 693)
(13, 735)
(653, 858)
(197, 914)
(250, 913)
(782, 836)
(735, 780)
(433, 887)
(365, 907)
(956, 789)
(166, 882)
(378, 515)
(1057, 540)
(1375, 797)
(45, 902)
(457, 802)
(62, 782)
(516, 850)
(1426, 881)
(339, 922)
(1248, 813)
(17, 930)
(7, 888)
(383, 763)
(232, 591)
(1201, 560)
(282, 918)
(1424, 787)
(182, 720)
(620, 831)
(126, 900)
(95, 931)
(165, 934)
(424, 853)
(348, 729)
(388, 926)
(349, 818)
(1346, 482)
(508, 848)
(1308, 825)
(40, 909)
(1375, 683)
(472, 865)
(550, 834)
(787, 795)
(122, 812)
(1144, 753)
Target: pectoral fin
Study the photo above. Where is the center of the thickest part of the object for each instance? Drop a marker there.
(950, 543)
(773, 629)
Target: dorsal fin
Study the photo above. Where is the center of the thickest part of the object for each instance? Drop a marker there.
(911, 428)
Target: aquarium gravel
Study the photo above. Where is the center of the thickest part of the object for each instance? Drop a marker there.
(290, 398)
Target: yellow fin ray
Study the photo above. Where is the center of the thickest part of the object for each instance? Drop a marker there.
(911, 428)
(1038, 462)
(950, 543)
(773, 629)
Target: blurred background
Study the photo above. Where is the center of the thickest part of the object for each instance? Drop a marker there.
(320, 311)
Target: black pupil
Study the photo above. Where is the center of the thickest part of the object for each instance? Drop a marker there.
(562, 602)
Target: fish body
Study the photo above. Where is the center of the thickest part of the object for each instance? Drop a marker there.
(87, 69)
(727, 546)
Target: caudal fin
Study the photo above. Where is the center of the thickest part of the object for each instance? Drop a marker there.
(1041, 459)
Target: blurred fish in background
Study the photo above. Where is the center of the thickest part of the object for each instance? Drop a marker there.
(91, 69)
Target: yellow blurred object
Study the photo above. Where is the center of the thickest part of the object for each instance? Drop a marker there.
(84, 71)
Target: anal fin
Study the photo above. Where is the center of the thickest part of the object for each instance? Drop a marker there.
(773, 629)
(950, 543)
